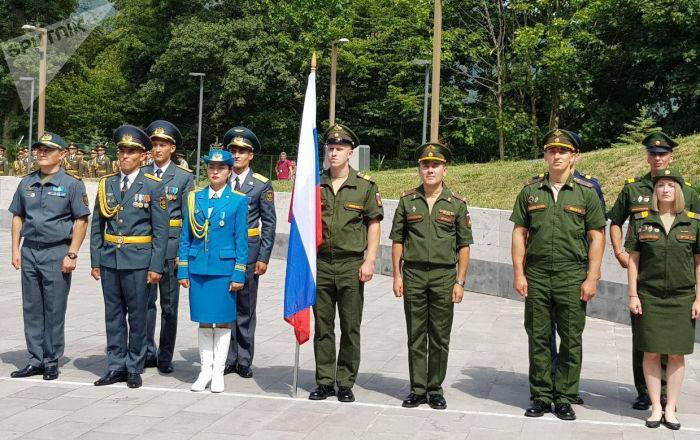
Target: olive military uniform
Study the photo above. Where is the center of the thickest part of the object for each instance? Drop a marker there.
(4, 163)
(555, 267)
(666, 282)
(634, 198)
(102, 166)
(49, 206)
(431, 241)
(345, 217)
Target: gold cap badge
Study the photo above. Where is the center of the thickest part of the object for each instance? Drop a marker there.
(46, 137)
(217, 157)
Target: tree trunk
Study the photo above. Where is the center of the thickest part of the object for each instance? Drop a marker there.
(554, 112)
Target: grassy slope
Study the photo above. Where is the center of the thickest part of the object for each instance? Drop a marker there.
(495, 184)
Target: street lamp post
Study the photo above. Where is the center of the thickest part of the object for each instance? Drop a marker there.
(426, 93)
(334, 68)
(43, 49)
(31, 111)
(199, 130)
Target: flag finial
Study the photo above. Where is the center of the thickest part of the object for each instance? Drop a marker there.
(313, 61)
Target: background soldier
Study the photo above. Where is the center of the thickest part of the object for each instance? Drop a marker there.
(180, 160)
(102, 164)
(636, 197)
(262, 220)
(92, 163)
(72, 162)
(129, 236)
(559, 230)
(351, 212)
(4, 163)
(50, 211)
(84, 172)
(177, 183)
(431, 233)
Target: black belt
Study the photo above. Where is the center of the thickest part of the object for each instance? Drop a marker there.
(42, 245)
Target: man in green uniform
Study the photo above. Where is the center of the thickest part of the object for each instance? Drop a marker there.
(636, 197)
(351, 212)
(431, 233)
(558, 244)
(72, 163)
(102, 164)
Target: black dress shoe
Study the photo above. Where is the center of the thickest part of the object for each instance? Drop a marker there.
(110, 378)
(230, 368)
(436, 401)
(245, 372)
(322, 392)
(150, 363)
(564, 411)
(345, 395)
(669, 425)
(578, 400)
(29, 370)
(642, 402)
(51, 373)
(414, 400)
(653, 423)
(538, 409)
(165, 369)
(134, 380)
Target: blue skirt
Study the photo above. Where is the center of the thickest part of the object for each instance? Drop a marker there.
(210, 300)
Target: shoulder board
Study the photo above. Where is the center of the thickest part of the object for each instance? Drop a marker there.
(694, 215)
(459, 196)
(408, 192)
(632, 180)
(184, 169)
(583, 182)
(75, 176)
(687, 183)
(109, 175)
(238, 192)
(151, 176)
(535, 179)
(645, 214)
(260, 177)
(364, 176)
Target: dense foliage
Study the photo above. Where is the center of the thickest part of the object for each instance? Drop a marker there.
(511, 69)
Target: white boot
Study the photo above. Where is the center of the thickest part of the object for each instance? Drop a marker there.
(205, 338)
(222, 339)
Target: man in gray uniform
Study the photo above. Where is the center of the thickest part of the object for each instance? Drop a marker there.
(177, 182)
(129, 236)
(50, 211)
(243, 143)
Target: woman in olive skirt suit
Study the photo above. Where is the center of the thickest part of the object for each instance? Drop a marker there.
(211, 263)
(663, 274)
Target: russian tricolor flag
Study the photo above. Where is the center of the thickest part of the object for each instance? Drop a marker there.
(305, 234)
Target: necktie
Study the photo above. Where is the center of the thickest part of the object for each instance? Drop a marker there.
(237, 186)
(159, 172)
(125, 184)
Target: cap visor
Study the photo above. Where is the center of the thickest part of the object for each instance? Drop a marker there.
(656, 149)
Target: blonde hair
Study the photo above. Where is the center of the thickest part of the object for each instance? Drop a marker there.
(679, 205)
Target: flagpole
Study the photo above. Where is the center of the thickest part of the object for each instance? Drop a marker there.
(295, 383)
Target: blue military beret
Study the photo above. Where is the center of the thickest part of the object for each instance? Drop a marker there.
(132, 137)
(164, 130)
(241, 137)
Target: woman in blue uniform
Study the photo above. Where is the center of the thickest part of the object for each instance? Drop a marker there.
(212, 264)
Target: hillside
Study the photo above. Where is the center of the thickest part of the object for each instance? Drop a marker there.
(495, 184)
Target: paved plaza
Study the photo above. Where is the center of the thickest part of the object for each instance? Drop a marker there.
(486, 385)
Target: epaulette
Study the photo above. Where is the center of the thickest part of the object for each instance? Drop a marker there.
(459, 196)
(645, 214)
(184, 169)
(583, 182)
(151, 176)
(108, 175)
(364, 176)
(535, 179)
(408, 192)
(260, 177)
(238, 192)
(694, 215)
(632, 179)
(75, 177)
(687, 183)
